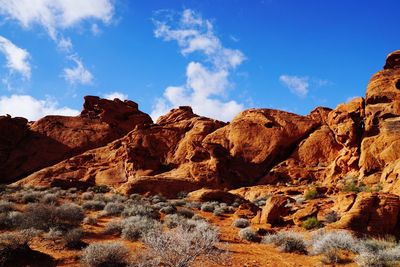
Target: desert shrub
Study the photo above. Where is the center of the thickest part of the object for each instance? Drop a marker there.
(73, 238)
(219, 211)
(113, 227)
(10, 220)
(173, 220)
(100, 197)
(105, 255)
(31, 197)
(168, 210)
(351, 185)
(137, 227)
(382, 258)
(198, 217)
(311, 194)
(241, 223)
(12, 244)
(135, 197)
(248, 234)
(6, 206)
(330, 244)
(43, 217)
(260, 201)
(99, 189)
(193, 205)
(181, 246)
(311, 223)
(51, 199)
(90, 220)
(287, 241)
(182, 194)
(178, 202)
(114, 208)
(93, 205)
(87, 195)
(116, 198)
(143, 210)
(331, 217)
(187, 213)
(159, 205)
(72, 190)
(157, 198)
(69, 215)
(208, 206)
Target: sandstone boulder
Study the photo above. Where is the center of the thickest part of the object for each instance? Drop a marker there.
(274, 210)
(55, 138)
(373, 213)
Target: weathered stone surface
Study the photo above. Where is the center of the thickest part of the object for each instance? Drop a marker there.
(204, 195)
(55, 138)
(372, 213)
(274, 210)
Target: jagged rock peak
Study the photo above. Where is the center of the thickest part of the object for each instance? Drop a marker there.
(393, 60)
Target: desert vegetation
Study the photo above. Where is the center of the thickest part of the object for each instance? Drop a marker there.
(100, 227)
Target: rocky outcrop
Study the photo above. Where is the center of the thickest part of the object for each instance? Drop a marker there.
(380, 146)
(274, 210)
(373, 213)
(25, 148)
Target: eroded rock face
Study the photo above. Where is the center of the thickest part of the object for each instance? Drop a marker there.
(153, 157)
(274, 210)
(373, 213)
(55, 138)
(380, 146)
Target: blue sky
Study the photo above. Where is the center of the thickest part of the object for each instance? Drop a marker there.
(218, 56)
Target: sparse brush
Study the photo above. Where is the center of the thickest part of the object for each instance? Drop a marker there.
(6, 206)
(93, 205)
(249, 234)
(113, 227)
(137, 227)
(208, 206)
(287, 241)
(181, 246)
(90, 220)
(311, 223)
(193, 205)
(114, 208)
(110, 254)
(73, 238)
(51, 199)
(187, 213)
(173, 220)
(168, 210)
(141, 210)
(241, 223)
(330, 244)
(331, 217)
(311, 194)
(87, 196)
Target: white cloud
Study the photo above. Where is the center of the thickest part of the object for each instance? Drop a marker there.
(65, 44)
(28, 107)
(78, 74)
(297, 85)
(56, 14)
(17, 59)
(119, 95)
(206, 86)
(95, 29)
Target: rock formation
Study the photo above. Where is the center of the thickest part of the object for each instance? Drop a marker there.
(261, 152)
(28, 147)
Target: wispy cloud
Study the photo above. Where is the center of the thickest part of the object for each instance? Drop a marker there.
(113, 95)
(31, 108)
(298, 85)
(207, 81)
(17, 59)
(54, 15)
(78, 74)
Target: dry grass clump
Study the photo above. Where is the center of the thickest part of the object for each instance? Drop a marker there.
(181, 246)
(241, 223)
(287, 241)
(249, 234)
(111, 254)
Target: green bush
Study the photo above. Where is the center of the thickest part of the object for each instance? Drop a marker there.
(311, 223)
(311, 194)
